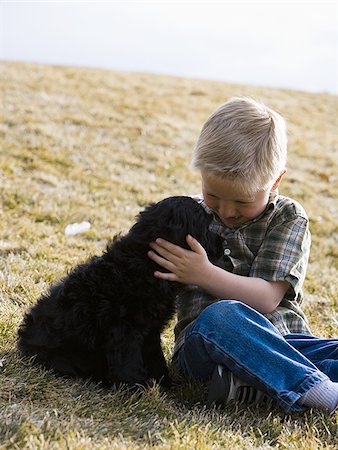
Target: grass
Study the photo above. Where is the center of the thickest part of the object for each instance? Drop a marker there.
(84, 144)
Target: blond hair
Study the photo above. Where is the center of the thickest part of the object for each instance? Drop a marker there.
(245, 141)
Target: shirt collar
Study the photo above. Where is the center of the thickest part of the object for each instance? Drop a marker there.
(273, 197)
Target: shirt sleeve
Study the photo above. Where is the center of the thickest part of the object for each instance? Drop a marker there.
(284, 254)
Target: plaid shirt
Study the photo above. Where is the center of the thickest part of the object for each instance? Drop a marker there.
(274, 246)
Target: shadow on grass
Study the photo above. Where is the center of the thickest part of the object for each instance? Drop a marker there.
(35, 402)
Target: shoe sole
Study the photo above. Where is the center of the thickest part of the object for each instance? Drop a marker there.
(224, 390)
(219, 388)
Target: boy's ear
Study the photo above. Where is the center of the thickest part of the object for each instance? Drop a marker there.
(279, 179)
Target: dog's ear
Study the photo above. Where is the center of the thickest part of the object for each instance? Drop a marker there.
(167, 219)
(173, 219)
(189, 218)
(200, 230)
(214, 247)
(147, 225)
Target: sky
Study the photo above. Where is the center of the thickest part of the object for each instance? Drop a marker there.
(286, 44)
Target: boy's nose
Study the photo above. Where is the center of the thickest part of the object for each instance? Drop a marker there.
(227, 210)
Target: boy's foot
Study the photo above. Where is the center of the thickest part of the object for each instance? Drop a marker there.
(225, 388)
(323, 395)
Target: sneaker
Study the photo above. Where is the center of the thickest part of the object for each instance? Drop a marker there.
(225, 389)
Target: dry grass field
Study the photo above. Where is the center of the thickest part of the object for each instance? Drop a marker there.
(83, 144)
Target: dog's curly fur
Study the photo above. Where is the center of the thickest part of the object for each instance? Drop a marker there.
(105, 318)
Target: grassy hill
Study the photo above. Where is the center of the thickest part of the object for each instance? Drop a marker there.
(84, 144)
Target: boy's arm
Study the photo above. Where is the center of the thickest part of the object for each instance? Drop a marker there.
(193, 267)
(262, 295)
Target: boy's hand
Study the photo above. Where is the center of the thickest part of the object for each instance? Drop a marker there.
(184, 266)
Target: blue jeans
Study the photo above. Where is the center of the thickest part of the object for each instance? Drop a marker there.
(236, 336)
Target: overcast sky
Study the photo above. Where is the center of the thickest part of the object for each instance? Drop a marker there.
(280, 44)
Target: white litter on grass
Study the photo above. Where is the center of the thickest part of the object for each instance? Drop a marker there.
(75, 228)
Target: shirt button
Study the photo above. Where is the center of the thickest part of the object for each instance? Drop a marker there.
(227, 252)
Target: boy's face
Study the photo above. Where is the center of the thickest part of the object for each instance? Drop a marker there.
(232, 206)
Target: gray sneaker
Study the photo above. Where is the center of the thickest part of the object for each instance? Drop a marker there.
(225, 389)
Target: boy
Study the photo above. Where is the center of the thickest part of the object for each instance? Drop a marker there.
(240, 323)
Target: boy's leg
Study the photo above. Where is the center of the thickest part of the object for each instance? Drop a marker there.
(323, 353)
(236, 336)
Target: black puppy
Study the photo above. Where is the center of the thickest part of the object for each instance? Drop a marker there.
(105, 318)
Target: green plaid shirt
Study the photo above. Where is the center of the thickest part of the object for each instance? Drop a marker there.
(275, 246)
